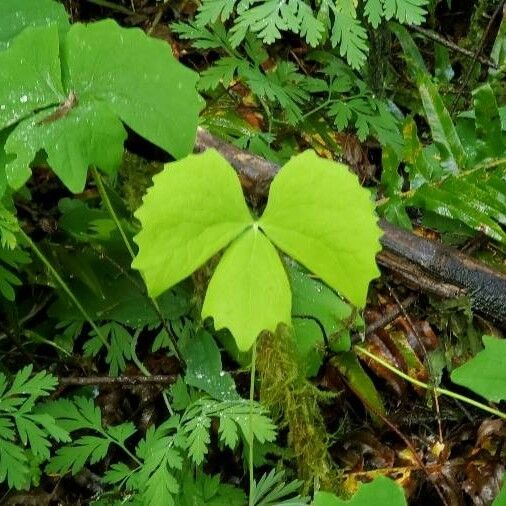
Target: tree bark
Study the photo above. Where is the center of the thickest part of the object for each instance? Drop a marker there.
(427, 265)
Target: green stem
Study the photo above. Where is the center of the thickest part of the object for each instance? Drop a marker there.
(64, 287)
(251, 439)
(105, 199)
(110, 209)
(425, 386)
(145, 371)
(124, 448)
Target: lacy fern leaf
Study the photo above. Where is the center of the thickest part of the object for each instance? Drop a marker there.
(268, 19)
(20, 422)
(82, 414)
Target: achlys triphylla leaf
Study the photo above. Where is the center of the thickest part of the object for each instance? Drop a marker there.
(379, 491)
(204, 212)
(319, 214)
(485, 374)
(249, 291)
(111, 75)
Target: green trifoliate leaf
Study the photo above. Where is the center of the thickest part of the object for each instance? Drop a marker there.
(16, 15)
(193, 210)
(249, 291)
(485, 374)
(320, 215)
(30, 74)
(381, 491)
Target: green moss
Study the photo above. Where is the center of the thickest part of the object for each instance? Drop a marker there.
(134, 178)
(294, 402)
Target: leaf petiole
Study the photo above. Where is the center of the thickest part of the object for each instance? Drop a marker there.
(64, 287)
(425, 386)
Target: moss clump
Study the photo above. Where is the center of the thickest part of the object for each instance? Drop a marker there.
(135, 176)
(294, 401)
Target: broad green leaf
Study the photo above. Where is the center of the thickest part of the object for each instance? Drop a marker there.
(30, 74)
(249, 291)
(488, 123)
(382, 491)
(16, 15)
(110, 75)
(204, 369)
(319, 214)
(193, 210)
(485, 374)
(317, 312)
(88, 135)
(140, 80)
(453, 155)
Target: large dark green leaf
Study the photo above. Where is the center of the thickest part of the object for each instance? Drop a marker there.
(16, 15)
(111, 75)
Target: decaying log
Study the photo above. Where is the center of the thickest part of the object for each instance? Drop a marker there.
(425, 264)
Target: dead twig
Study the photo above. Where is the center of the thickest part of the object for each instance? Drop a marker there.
(124, 381)
(452, 46)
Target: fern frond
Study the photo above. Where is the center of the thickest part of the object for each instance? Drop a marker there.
(272, 490)
(22, 427)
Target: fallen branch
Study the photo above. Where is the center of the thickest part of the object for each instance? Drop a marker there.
(425, 264)
(125, 381)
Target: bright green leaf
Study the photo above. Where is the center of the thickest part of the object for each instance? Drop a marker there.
(193, 210)
(249, 291)
(381, 491)
(319, 214)
(485, 374)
